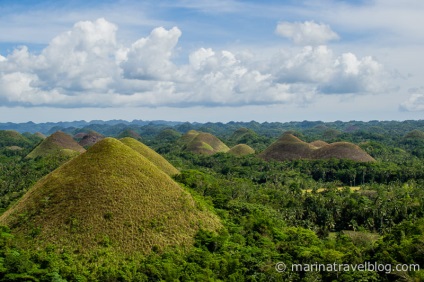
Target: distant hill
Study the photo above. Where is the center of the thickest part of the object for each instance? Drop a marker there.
(89, 139)
(289, 147)
(58, 143)
(129, 133)
(111, 196)
(151, 155)
(342, 150)
(169, 135)
(13, 138)
(241, 150)
(202, 143)
(415, 134)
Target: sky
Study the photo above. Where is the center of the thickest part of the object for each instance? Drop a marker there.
(211, 60)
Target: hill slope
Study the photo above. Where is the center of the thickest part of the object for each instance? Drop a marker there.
(109, 196)
(151, 155)
(57, 143)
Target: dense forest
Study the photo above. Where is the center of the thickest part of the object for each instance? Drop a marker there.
(320, 211)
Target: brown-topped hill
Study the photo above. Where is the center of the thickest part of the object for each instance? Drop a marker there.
(289, 147)
(58, 143)
(151, 155)
(342, 150)
(202, 143)
(90, 138)
(108, 196)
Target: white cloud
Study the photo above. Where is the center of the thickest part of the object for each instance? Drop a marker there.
(87, 67)
(149, 58)
(415, 103)
(306, 33)
(330, 73)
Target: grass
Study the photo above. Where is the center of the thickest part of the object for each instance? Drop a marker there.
(151, 155)
(55, 144)
(112, 192)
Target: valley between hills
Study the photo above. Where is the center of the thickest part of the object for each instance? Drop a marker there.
(174, 201)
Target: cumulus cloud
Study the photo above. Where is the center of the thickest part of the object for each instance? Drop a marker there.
(415, 103)
(330, 73)
(87, 67)
(306, 33)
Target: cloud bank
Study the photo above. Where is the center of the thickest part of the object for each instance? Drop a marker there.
(306, 33)
(87, 67)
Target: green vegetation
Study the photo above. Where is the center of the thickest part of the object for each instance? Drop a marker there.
(110, 214)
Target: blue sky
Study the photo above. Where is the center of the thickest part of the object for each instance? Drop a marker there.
(201, 60)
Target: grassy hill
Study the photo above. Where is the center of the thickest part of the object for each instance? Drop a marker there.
(129, 133)
(342, 150)
(151, 155)
(13, 138)
(188, 137)
(113, 197)
(58, 143)
(203, 143)
(241, 150)
(289, 147)
(169, 135)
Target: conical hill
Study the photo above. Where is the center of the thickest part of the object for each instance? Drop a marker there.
(108, 196)
(205, 143)
(151, 155)
(58, 143)
(241, 150)
(90, 138)
(188, 137)
(342, 150)
(288, 147)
